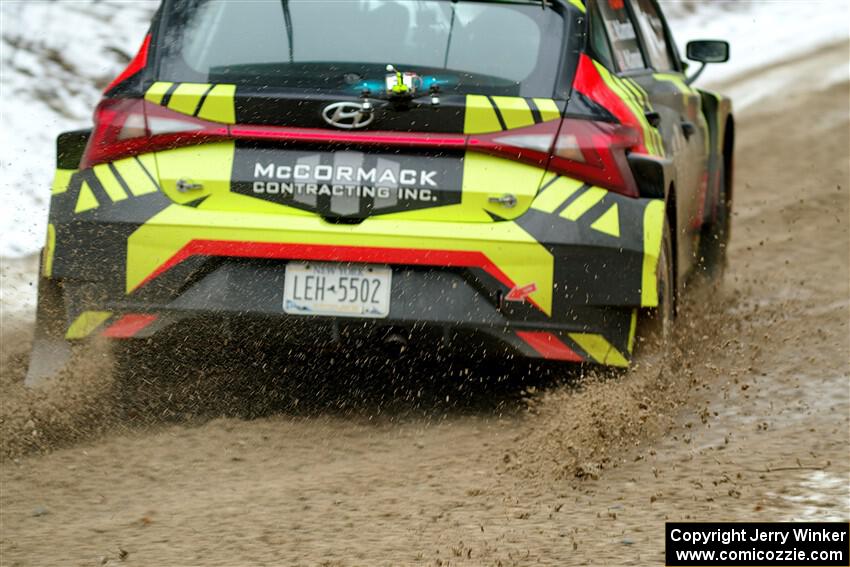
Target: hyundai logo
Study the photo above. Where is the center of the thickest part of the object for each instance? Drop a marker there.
(347, 115)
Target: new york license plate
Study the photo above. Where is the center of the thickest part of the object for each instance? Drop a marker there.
(344, 290)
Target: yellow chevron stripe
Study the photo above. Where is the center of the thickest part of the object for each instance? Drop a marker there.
(48, 252)
(639, 94)
(579, 4)
(640, 104)
(86, 323)
(220, 105)
(616, 84)
(157, 91)
(635, 101)
(616, 358)
(149, 162)
(86, 199)
(632, 330)
(515, 111)
(600, 349)
(186, 97)
(110, 183)
(134, 176)
(592, 345)
(609, 222)
(480, 116)
(548, 109)
(583, 203)
(555, 195)
(61, 180)
(649, 133)
(653, 229)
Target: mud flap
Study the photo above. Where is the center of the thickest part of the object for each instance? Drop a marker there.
(51, 352)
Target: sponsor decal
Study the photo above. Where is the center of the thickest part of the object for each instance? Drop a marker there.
(348, 184)
(521, 293)
(344, 180)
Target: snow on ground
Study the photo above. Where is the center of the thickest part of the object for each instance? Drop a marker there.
(761, 33)
(56, 57)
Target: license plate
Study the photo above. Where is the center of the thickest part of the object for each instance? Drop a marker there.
(344, 290)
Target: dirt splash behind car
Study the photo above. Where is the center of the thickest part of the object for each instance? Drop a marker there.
(749, 422)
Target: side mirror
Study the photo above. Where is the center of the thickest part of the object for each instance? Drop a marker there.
(706, 51)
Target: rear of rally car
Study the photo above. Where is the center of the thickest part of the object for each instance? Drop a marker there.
(455, 172)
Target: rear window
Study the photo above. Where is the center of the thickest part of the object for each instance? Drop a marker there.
(482, 47)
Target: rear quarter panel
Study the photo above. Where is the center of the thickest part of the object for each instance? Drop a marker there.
(718, 112)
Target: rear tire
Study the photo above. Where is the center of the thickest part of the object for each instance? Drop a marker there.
(656, 326)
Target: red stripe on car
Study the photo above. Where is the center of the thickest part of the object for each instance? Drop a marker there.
(328, 253)
(128, 326)
(548, 345)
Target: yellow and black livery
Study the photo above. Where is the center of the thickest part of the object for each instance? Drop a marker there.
(486, 247)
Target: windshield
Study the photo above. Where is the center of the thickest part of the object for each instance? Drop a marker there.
(482, 47)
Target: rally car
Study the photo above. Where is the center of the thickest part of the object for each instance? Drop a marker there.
(530, 176)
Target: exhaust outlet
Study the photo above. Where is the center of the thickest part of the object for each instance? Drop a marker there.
(395, 344)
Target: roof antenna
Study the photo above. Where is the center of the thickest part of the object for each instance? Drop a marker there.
(287, 17)
(449, 37)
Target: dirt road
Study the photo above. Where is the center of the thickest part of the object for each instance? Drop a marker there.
(409, 465)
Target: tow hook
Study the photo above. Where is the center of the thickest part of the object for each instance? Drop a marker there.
(507, 200)
(184, 186)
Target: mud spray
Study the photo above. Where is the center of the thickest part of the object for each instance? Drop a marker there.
(255, 457)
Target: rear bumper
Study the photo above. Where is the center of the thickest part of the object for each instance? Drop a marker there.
(562, 281)
(434, 308)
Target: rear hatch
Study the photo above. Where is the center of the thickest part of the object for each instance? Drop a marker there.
(320, 125)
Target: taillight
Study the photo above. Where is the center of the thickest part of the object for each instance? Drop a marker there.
(595, 152)
(128, 127)
(530, 145)
(591, 151)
